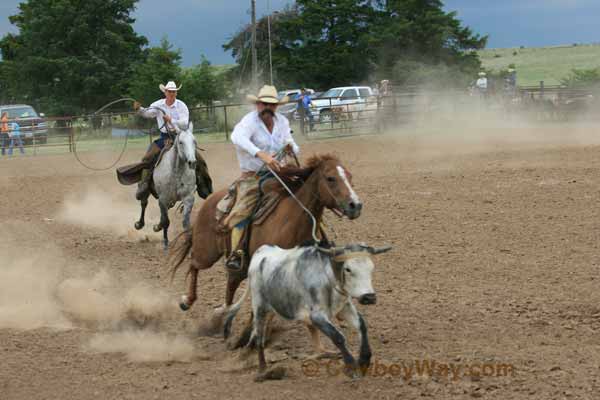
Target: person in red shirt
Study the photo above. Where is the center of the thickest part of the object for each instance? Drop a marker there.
(4, 132)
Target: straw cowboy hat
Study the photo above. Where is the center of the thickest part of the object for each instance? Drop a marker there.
(267, 94)
(169, 86)
(482, 73)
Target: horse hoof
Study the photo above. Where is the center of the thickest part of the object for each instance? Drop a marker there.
(139, 225)
(156, 228)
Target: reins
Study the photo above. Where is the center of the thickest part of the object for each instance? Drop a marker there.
(280, 155)
(312, 217)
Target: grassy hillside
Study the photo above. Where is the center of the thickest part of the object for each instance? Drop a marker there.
(549, 64)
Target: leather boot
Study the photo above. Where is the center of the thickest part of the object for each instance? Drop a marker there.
(234, 261)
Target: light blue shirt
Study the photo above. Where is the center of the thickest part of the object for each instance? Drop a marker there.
(15, 129)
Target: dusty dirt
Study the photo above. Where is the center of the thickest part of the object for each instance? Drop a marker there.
(495, 262)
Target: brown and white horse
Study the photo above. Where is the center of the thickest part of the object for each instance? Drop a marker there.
(323, 183)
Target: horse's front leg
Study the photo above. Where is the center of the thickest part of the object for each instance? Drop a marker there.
(143, 203)
(164, 223)
(188, 204)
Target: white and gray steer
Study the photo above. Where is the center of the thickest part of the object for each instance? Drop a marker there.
(311, 284)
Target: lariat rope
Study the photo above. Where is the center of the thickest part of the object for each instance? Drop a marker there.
(312, 217)
(126, 136)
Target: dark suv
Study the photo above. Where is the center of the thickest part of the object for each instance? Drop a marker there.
(33, 125)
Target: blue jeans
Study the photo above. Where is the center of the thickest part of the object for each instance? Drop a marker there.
(4, 142)
(18, 141)
(306, 112)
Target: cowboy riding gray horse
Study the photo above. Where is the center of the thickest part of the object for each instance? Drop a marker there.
(172, 168)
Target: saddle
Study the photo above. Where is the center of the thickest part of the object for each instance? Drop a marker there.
(132, 173)
(269, 197)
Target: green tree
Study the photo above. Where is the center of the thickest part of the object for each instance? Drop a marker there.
(71, 56)
(240, 47)
(421, 31)
(203, 83)
(324, 43)
(161, 64)
(327, 43)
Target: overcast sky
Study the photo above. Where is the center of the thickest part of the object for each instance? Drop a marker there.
(202, 26)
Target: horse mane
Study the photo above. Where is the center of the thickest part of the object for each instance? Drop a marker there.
(294, 177)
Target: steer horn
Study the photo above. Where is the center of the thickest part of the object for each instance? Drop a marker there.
(378, 250)
(332, 252)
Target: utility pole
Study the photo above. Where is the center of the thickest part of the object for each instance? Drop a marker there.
(254, 58)
(269, 27)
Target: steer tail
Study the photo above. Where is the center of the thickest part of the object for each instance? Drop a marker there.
(232, 311)
(180, 250)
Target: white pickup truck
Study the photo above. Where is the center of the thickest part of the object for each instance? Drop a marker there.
(350, 98)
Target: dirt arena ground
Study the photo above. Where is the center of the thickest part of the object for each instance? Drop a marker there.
(492, 281)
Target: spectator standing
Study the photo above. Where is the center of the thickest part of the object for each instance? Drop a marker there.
(15, 137)
(304, 103)
(4, 139)
(482, 85)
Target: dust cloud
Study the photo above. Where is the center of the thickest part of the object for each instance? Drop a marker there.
(108, 213)
(145, 346)
(449, 123)
(27, 288)
(40, 291)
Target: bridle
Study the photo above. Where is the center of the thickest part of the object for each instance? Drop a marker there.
(313, 195)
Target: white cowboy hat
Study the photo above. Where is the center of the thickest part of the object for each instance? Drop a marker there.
(482, 73)
(267, 94)
(169, 86)
(511, 70)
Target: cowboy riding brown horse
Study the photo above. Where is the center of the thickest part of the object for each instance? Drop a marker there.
(323, 183)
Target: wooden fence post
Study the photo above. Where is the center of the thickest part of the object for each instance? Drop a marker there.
(71, 142)
(226, 127)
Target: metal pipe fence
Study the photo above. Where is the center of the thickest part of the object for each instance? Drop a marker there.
(341, 117)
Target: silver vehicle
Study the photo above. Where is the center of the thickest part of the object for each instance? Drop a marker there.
(341, 97)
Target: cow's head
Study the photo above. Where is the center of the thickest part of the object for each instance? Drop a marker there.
(353, 268)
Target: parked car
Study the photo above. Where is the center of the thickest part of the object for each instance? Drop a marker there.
(33, 125)
(339, 97)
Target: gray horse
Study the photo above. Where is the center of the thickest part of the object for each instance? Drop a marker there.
(174, 180)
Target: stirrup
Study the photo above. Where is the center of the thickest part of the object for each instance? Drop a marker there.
(235, 261)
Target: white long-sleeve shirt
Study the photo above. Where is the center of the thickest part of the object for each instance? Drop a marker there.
(482, 83)
(178, 111)
(250, 136)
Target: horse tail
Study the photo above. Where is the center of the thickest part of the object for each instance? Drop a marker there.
(180, 250)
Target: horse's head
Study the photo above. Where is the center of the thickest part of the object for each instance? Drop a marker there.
(186, 146)
(335, 186)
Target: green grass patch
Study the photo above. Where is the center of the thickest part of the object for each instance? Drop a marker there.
(548, 64)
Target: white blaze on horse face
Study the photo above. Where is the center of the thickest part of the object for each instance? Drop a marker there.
(353, 194)
(357, 274)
